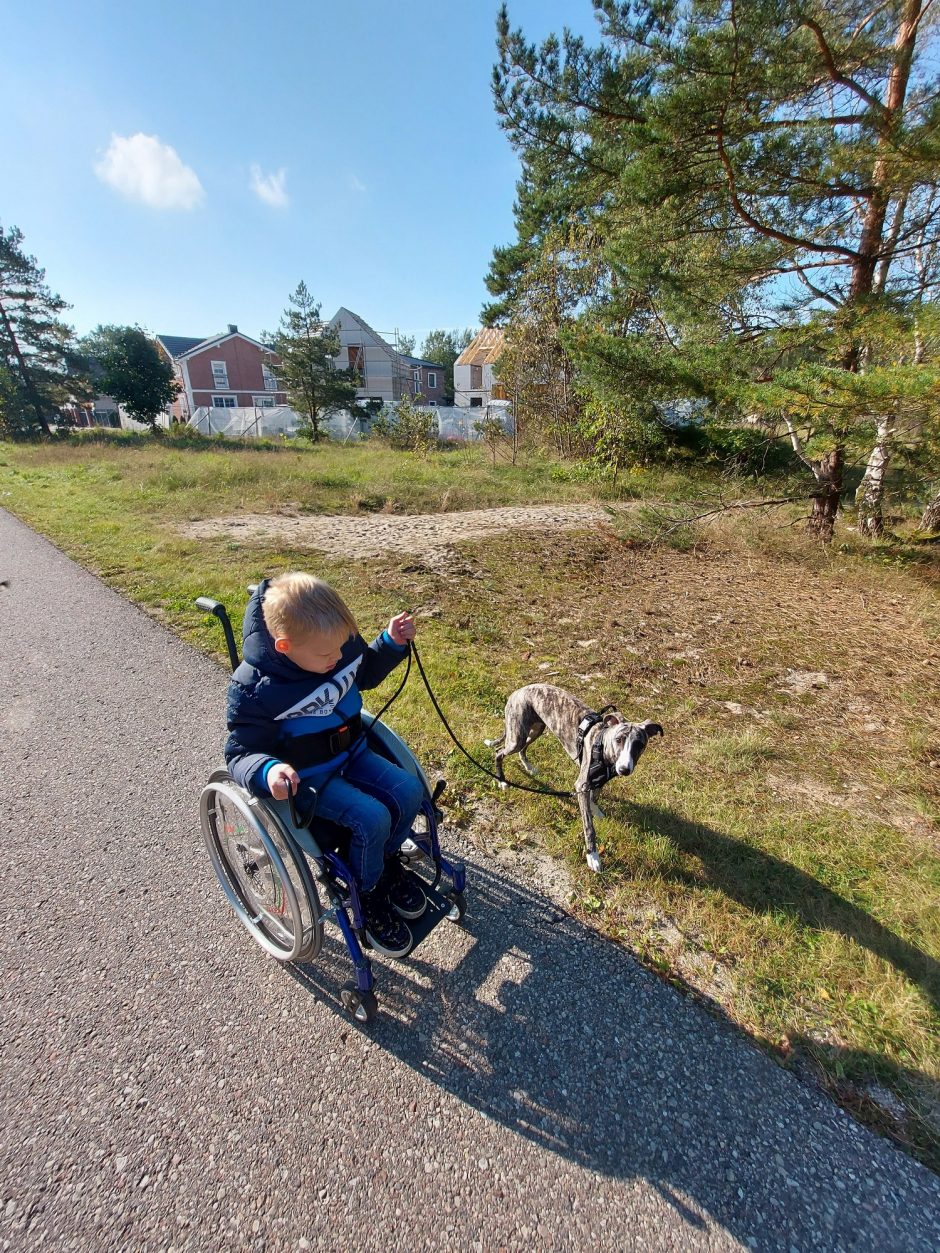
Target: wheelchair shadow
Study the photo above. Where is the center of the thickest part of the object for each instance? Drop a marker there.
(541, 1025)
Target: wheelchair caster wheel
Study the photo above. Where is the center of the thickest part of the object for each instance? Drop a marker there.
(458, 906)
(362, 1006)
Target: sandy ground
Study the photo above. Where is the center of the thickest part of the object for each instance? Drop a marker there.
(376, 533)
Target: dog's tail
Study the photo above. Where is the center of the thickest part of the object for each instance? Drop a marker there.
(495, 743)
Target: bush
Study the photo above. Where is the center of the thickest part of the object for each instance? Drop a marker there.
(750, 450)
(407, 427)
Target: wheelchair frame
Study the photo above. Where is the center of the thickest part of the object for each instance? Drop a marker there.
(262, 858)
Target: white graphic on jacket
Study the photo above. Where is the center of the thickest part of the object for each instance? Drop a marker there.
(324, 699)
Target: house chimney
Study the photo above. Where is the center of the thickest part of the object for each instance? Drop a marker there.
(232, 328)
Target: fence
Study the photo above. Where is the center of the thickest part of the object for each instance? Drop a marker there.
(454, 422)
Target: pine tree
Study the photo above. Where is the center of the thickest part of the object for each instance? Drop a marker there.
(748, 172)
(39, 362)
(306, 349)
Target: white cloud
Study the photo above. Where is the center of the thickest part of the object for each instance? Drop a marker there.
(142, 168)
(270, 187)
(356, 183)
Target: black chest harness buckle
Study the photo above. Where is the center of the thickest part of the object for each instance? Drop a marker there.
(600, 771)
(317, 747)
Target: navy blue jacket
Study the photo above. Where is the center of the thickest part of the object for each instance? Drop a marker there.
(271, 699)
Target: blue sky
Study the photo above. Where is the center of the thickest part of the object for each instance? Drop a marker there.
(184, 165)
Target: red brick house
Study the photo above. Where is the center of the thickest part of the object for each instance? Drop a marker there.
(228, 371)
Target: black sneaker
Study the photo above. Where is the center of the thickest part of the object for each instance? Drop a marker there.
(404, 891)
(385, 931)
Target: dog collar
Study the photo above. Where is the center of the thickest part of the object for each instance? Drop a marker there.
(589, 720)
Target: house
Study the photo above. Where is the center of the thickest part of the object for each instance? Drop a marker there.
(227, 371)
(474, 382)
(385, 375)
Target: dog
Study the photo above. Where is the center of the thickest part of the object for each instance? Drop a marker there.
(604, 745)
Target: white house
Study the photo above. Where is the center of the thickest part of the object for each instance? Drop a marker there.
(474, 382)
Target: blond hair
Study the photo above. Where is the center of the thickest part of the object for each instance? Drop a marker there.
(298, 605)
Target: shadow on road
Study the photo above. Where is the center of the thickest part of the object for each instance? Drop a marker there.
(532, 1019)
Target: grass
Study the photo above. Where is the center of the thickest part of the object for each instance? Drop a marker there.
(775, 855)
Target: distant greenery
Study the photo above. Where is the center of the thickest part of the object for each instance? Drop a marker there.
(126, 364)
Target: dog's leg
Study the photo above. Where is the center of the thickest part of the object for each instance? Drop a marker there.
(535, 731)
(590, 838)
(596, 810)
(495, 743)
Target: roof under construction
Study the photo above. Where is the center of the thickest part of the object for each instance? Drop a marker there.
(484, 349)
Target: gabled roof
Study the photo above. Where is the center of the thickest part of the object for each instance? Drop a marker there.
(485, 347)
(183, 345)
(380, 342)
(363, 325)
(176, 345)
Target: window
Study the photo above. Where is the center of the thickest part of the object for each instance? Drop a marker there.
(263, 402)
(476, 376)
(432, 379)
(270, 382)
(476, 402)
(220, 374)
(356, 358)
(416, 375)
(223, 402)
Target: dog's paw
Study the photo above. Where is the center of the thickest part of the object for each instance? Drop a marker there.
(503, 785)
(596, 811)
(594, 861)
(490, 743)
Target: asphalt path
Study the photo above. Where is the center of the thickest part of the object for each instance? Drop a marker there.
(168, 1086)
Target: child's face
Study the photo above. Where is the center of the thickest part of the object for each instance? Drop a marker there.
(316, 653)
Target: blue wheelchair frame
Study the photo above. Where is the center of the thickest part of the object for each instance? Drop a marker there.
(276, 823)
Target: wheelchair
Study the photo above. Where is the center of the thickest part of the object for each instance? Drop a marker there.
(272, 866)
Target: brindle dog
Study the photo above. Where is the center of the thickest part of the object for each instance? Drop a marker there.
(532, 709)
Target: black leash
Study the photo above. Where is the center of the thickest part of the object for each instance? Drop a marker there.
(539, 791)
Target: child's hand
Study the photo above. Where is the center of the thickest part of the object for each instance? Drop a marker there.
(282, 778)
(402, 628)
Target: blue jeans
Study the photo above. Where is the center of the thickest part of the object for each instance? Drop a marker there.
(378, 802)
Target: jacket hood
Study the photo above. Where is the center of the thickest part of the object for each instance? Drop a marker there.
(258, 646)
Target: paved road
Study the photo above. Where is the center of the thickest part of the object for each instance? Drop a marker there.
(166, 1085)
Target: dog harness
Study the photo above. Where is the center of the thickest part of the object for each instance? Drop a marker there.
(600, 771)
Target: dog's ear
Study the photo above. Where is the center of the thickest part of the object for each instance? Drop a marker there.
(653, 728)
(613, 719)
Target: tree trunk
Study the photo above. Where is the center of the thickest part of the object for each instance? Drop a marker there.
(25, 374)
(870, 495)
(829, 471)
(930, 522)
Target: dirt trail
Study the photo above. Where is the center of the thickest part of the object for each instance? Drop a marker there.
(416, 533)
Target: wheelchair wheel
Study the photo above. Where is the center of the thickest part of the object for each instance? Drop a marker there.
(262, 872)
(362, 1006)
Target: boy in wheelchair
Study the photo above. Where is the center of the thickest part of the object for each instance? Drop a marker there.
(294, 721)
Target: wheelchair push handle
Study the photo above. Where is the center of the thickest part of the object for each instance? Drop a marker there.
(218, 610)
